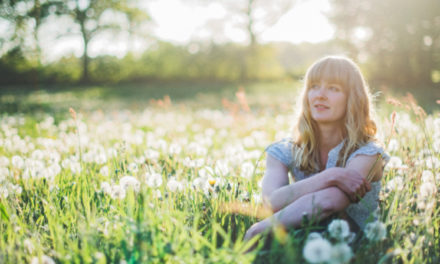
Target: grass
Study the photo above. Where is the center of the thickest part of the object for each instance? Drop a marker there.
(186, 159)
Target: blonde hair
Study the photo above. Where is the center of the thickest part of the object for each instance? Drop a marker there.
(358, 128)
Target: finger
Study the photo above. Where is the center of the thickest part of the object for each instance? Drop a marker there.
(368, 185)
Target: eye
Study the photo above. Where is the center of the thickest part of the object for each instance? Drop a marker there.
(335, 88)
(314, 86)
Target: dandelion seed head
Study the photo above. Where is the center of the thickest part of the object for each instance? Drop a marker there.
(129, 182)
(339, 229)
(317, 250)
(375, 231)
(44, 260)
(340, 253)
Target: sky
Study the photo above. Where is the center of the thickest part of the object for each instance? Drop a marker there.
(184, 22)
(304, 22)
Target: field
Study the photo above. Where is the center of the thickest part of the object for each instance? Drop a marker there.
(168, 175)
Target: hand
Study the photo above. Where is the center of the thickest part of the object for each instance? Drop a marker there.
(256, 229)
(353, 184)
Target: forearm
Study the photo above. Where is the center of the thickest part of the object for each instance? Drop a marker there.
(290, 193)
(317, 205)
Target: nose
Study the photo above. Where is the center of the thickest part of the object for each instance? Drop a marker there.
(321, 91)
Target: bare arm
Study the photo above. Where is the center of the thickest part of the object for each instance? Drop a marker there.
(320, 203)
(276, 176)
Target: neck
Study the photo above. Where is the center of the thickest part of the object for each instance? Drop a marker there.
(330, 137)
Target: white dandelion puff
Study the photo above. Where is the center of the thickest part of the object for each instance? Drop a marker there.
(153, 179)
(173, 185)
(314, 235)
(129, 182)
(341, 253)
(104, 171)
(375, 231)
(339, 229)
(43, 260)
(317, 250)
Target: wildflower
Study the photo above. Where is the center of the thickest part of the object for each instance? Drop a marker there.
(117, 192)
(317, 250)
(339, 229)
(43, 260)
(127, 182)
(395, 162)
(427, 189)
(375, 231)
(395, 183)
(4, 161)
(17, 162)
(28, 245)
(205, 172)
(341, 253)
(247, 169)
(174, 185)
(154, 179)
(104, 171)
(427, 176)
(4, 192)
(393, 145)
(106, 188)
(314, 235)
(221, 167)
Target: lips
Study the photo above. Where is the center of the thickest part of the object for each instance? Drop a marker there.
(321, 106)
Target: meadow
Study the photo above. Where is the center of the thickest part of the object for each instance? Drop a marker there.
(168, 175)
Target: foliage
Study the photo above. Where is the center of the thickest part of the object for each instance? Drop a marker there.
(399, 39)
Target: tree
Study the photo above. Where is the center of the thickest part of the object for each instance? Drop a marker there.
(400, 38)
(89, 15)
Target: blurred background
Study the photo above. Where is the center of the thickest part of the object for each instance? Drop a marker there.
(147, 49)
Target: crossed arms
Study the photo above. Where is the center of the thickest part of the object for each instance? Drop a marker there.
(321, 195)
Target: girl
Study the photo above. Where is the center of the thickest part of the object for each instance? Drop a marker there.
(331, 156)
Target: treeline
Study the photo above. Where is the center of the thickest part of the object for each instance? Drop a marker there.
(165, 61)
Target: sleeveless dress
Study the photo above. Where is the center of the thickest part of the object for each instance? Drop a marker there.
(360, 212)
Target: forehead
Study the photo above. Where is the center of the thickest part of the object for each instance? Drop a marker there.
(332, 72)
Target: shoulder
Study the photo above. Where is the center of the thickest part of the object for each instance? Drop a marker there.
(281, 150)
(370, 149)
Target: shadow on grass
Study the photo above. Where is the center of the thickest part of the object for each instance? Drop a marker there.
(135, 96)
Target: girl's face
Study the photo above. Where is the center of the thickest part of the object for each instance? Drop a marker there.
(327, 101)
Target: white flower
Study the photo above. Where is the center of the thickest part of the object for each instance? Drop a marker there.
(133, 167)
(28, 245)
(127, 182)
(427, 176)
(17, 162)
(174, 185)
(106, 188)
(375, 231)
(104, 171)
(395, 162)
(427, 189)
(154, 179)
(117, 192)
(4, 161)
(393, 145)
(4, 192)
(341, 253)
(221, 167)
(44, 260)
(314, 235)
(395, 183)
(247, 169)
(339, 229)
(317, 250)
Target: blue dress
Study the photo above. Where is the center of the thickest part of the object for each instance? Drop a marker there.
(359, 212)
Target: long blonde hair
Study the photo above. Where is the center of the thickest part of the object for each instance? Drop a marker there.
(358, 128)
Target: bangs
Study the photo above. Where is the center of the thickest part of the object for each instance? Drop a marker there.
(330, 70)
